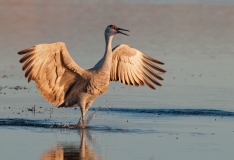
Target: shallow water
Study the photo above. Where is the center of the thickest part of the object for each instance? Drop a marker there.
(119, 133)
(190, 117)
(139, 138)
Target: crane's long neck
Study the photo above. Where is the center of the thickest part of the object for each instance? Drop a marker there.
(107, 59)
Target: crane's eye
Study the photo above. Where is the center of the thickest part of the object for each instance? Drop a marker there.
(112, 26)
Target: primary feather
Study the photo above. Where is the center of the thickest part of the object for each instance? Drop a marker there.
(52, 68)
(132, 67)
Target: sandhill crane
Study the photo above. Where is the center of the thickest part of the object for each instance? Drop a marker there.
(64, 83)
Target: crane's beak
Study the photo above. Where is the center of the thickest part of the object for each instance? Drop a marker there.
(120, 29)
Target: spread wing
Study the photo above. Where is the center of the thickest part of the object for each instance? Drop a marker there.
(52, 68)
(132, 67)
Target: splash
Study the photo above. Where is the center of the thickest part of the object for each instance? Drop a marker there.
(91, 115)
(85, 124)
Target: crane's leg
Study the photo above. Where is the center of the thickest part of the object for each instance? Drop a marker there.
(81, 120)
(88, 105)
(84, 109)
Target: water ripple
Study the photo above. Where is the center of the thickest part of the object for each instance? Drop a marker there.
(51, 124)
(134, 112)
(173, 112)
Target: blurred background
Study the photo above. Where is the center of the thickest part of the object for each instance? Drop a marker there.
(194, 38)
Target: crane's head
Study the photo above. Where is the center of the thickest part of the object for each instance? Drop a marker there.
(112, 30)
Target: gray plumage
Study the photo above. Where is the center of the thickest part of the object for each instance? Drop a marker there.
(64, 83)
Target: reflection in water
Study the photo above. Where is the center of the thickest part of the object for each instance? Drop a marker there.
(70, 151)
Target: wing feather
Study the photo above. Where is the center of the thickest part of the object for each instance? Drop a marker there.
(26, 57)
(152, 59)
(131, 77)
(137, 76)
(52, 69)
(126, 76)
(148, 83)
(28, 63)
(132, 67)
(153, 65)
(151, 79)
(153, 73)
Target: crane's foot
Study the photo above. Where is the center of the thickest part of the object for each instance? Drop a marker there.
(81, 123)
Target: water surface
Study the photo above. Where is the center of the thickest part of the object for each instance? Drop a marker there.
(189, 117)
